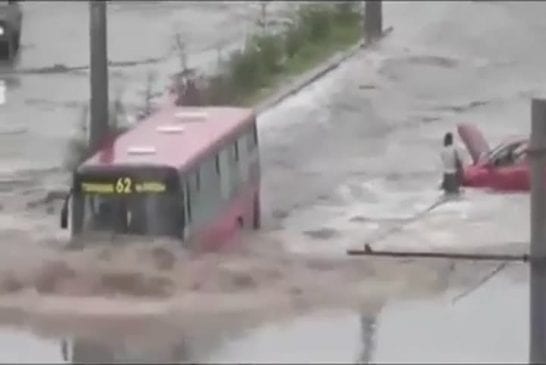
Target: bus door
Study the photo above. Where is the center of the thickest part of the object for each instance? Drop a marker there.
(108, 213)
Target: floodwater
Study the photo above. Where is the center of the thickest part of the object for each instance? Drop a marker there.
(351, 159)
(420, 331)
(416, 331)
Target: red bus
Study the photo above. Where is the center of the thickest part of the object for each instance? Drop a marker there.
(187, 172)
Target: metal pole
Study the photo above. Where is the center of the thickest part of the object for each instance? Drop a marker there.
(98, 128)
(367, 251)
(373, 20)
(537, 152)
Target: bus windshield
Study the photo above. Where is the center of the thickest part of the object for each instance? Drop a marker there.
(129, 201)
(142, 214)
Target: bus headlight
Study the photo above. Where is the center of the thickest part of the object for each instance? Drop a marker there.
(1, 30)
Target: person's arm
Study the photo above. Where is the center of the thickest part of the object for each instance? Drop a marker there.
(460, 155)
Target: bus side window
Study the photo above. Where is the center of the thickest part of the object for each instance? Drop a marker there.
(197, 179)
(210, 195)
(181, 209)
(234, 169)
(255, 134)
(188, 202)
(225, 177)
(196, 194)
(244, 157)
(251, 139)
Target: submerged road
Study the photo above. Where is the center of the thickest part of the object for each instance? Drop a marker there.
(378, 121)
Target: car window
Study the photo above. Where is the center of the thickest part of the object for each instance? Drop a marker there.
(520, 153)
(508, 154)
(498, 152)
(495, 151)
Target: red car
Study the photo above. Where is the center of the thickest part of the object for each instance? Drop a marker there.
(505, 167)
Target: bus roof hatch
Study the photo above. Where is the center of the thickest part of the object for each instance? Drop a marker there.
(170, 129)
(191, 116)
(143, 150)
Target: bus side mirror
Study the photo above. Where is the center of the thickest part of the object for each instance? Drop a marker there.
(64, 213)
(64, 218)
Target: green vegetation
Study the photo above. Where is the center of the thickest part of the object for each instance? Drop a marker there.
(269, 59)
(77, 148)
(316, 32)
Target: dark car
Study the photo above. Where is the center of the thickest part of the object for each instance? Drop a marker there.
(10, 27)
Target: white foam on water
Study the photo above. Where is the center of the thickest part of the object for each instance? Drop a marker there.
(14, 341)
(477, 220)
(2, 92)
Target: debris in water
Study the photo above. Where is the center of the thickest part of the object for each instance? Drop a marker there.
(360, 219)
(136, 284)
(50, 275)
(322, 234)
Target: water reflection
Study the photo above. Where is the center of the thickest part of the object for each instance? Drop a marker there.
(367, 325)
(488, 326)
(87, 350)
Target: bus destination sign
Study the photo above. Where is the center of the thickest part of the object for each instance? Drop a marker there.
(123, 185)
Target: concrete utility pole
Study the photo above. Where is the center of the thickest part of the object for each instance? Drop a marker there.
(373, 20)
(98, 127)
(537, 350)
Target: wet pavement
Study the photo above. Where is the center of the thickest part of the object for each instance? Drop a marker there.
(355, 155)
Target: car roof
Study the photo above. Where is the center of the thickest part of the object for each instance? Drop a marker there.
(173, 137)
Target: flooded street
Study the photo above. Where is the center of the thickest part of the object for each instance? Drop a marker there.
(420, 331)
(352, 159)
(411, 331)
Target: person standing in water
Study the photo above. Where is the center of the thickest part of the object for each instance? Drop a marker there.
(452, 165)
